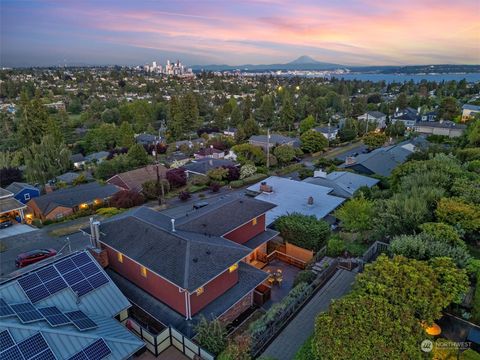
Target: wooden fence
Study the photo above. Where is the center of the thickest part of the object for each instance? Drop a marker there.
(372, 253)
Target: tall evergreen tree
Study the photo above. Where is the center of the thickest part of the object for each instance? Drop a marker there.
(287, 113)
(266, 112)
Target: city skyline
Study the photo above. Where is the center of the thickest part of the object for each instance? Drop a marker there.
(355, 32)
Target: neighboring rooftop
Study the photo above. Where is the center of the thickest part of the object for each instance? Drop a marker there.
(66, 339)
(446, 124)
(291, 196)
(4, 193)
(274, 139)
(375, 114)
(74, 196)
(97, 156)
(134, 179)
(471, 107)
(203, 166)
(343, 183)
(16, 187)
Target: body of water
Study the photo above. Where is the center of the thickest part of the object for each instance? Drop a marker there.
(400, 78)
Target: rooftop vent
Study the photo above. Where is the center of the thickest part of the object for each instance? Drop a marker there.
(208, 252)
(264, 187)
(173, 225)
(310, 200)
(350, 160)
(195, 260)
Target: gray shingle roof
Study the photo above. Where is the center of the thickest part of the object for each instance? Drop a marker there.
(16, 187)
(5, 193)
(10, 204)
(224, 216)
(77, 158)
(202, 166)
(189, 259)
(471, 107)
(274, 139)
(343, 183)
(74, 196)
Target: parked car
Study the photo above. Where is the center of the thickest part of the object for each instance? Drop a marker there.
(33, 256)
(5, 222)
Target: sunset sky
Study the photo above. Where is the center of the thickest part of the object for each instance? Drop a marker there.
(351, 32)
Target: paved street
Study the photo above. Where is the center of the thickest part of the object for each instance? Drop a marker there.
(285, 346)
(36, 239)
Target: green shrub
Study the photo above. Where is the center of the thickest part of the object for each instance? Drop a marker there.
(37, 223)
(211, 335)
(290, 169)
(305, 352)
(305, 173)
(305, 231)
(237, 184)
(254, 178)
(199, 180)
(109, 211)
(306, 276)
(335, 246)
(476, 302)
(47, 222)
(470, 354)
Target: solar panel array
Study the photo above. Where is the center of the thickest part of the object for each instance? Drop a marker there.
(79, 272)
(80, 320)
(33, 348)
(28, 313)
(95, 351)
(5, 309)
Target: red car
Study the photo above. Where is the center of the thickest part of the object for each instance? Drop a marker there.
(33, 256)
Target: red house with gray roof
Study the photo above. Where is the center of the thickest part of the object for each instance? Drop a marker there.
(180, 268)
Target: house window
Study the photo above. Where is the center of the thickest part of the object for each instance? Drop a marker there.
(59, 216)
(233, 267)
(120, 257)
(199, 291)
(254, 222)
(26, 196)
(143, 271)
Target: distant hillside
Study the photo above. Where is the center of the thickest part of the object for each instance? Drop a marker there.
(304, 62)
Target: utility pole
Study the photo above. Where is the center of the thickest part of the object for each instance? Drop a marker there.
(160, 182)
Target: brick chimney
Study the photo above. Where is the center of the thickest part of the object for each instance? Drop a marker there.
(350, 160)
(265, 188)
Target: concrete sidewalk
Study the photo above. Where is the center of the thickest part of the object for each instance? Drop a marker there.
(286, 345)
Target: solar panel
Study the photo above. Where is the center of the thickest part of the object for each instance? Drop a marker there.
(47, 273)
(12, 353)
(89, 269)
(5, 309)
(6, 340)
(81, 259)
(97, 350)
(29, 281)
(26, 312)
(32, 346)
(79, 356)
(55, 285)
(54, 316)
(81, 288)
(80, 320)
(45, 355)
(65, 266)
(37, 293)
(98, 280)
(73, 277)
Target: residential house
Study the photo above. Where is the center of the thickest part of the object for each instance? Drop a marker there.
(177, 159)
(48, 313)
(203, 166)
(11, 207)
(205, 259)
(343, 183)
(231, 131)
(78, 160)
(97, 157)
(69, 177)
(429, 116)
(374, 116)
(273, 140)
(469, 111)
(146, 139)
(209, 152)
(134, 179)
(64, 202)
(407, 116)
(442, 127)
(189, 143)
(329, 132)
(23, 192)
(383, 160)
(291, 196)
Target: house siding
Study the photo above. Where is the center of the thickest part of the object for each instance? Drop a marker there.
(237, 309)
(158, 287)
(59, 210)
(20, 196)
(212, 290)
(247, 231)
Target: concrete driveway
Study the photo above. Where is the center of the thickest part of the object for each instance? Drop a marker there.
(16, 229)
